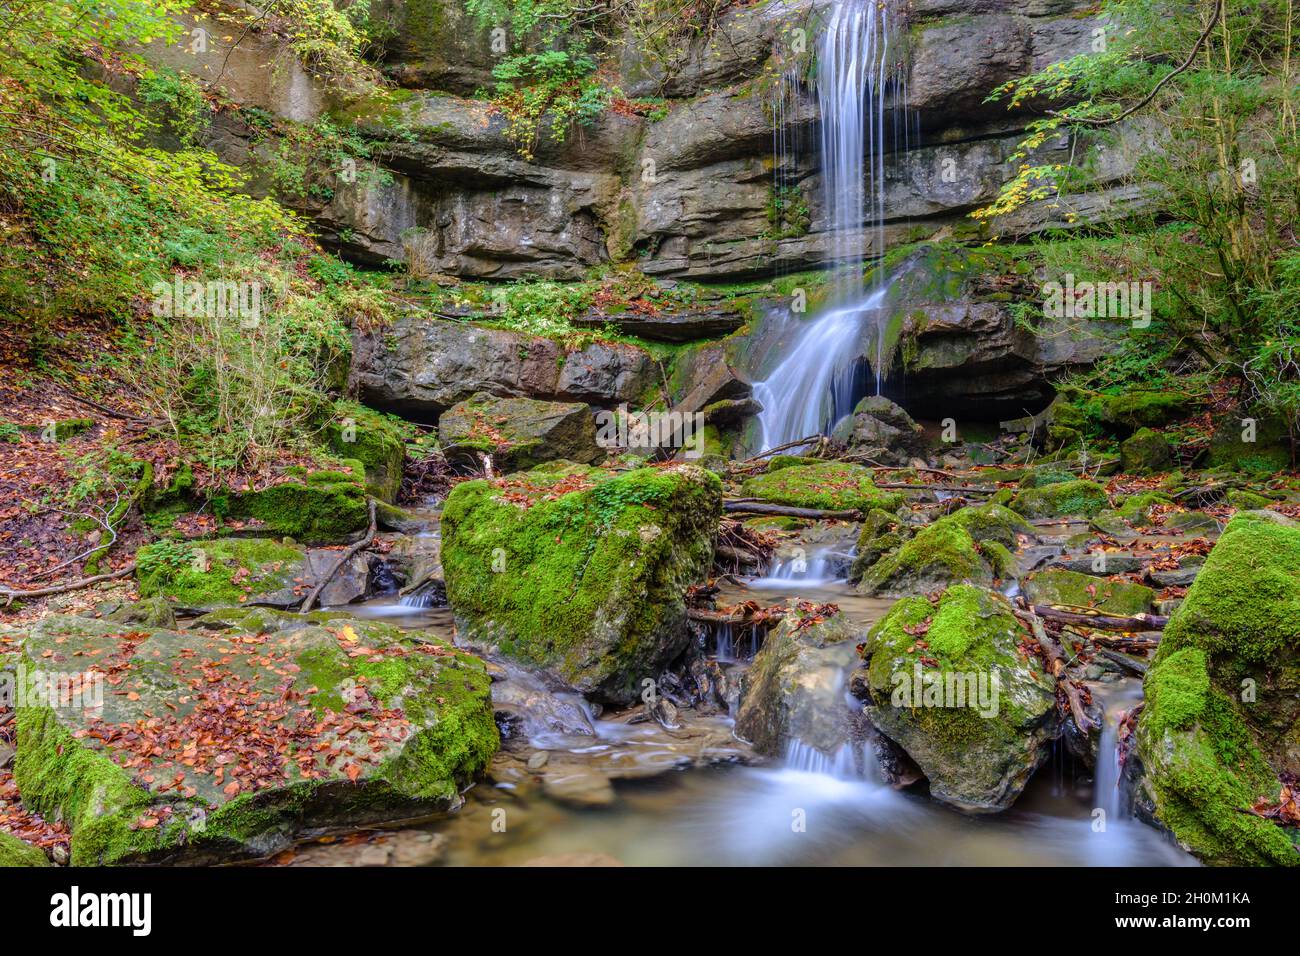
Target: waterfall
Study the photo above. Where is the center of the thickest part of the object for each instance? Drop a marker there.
(813, 384)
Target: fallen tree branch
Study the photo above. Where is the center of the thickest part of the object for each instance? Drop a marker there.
(1103, 622)
(745, 616)
(1056, 665)
(786, 511)
(905, 486)
(790, 444)
(11, 594)
(1123, 660)
(369, 536)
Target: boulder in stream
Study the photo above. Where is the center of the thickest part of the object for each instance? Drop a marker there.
(794, 689)
(951, 684)
(1221, 725)
(881, 430)
(831, 485)
(208, 745)
(1075, 498)
(581, 571)
(1073, 589)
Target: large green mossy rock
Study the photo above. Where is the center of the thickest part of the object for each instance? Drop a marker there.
(519, 433)
(950, 683)
(202, 575)
(972, 545)
(1250, 442)
(1144, 452)
(829, 485)
(794, 689)
(14, 852)
(581, 571)
(1145, 409)
(1076, 498)
(1073, 589)
(323, 507)
(211, 745)
(1222, 715)
(375, 440)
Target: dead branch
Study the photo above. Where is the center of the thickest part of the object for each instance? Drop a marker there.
(11, 594)
(369, 536)
(786, 511)
(1104, 622)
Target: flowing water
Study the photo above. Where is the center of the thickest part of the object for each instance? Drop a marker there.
(813, 384)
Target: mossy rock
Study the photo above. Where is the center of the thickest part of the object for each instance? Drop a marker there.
(1077, 498)
(585, 574)
(324, 507)
(1136, 509)
(1045, 475)
(972, 545)
(376, 441)
(777, 462)
(794, 689)
(978, 748)
(1059, 586)
(203, 575)
(519, 433)
(1145, 409)
(1144, 452)
(315, 727)
(881, 533)
(833, 486)
(1268, 452)
(1222, 715)
(14, 852)
(1244, 500)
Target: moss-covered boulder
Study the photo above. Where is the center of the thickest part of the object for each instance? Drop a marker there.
(1221, 723)
(584, 572)
(201, 575)
(1145, 451)
(794, 689)
(374, 439)
(1244, 500)
(1074, 498)
(882, 532)
(1073, 589)
(972, 545)
(519, 433)
(14, 852)
(1136, 409)
(322, 507)
(1251, 442)
(211, 745)
(1136, 509)
(951, 683)
(830, 485)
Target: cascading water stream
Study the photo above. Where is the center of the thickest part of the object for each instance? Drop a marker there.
(813, 384)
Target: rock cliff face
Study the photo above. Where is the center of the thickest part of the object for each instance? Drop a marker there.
(686, 192)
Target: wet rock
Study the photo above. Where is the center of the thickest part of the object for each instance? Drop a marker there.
(578, 786)
(151, 612)
(1104, 563)
(794, 689)
(205, 575)
(518, 433)
(588, 581)
(533, 704)
(1223, 698)
(948, 684)
(313, 727)
(1135, 410)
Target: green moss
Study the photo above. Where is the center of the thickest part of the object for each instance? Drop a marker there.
(1066, 498)
(211, 573)
(14, 852)
(1204, 767)
(1248, 500)
(377, 441)
(777, 462)
(1146, 451)
(324, 508)
(828, 485)
(969, 545)
(590, 582)
(1137, 409)
(1062, 587)
(1136, 509)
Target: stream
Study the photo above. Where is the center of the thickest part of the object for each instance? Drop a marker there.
(638, 794)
